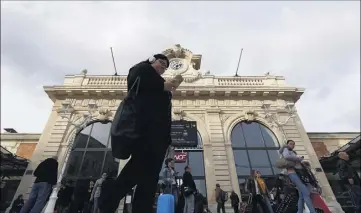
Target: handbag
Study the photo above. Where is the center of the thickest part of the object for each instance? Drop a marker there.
(282, 163)
(188, 191)
(124, 130)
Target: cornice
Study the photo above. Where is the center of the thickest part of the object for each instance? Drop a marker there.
(97, 86)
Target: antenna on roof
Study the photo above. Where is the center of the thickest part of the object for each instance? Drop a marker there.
(115, 68)
(239, 60)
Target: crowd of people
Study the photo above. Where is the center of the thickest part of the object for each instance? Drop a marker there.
(141, 128)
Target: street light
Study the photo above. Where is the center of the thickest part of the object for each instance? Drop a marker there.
(63, 111)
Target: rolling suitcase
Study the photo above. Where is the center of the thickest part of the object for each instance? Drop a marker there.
(165, 203)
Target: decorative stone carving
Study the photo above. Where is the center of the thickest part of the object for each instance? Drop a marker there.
(201, 116)
(250, 115)
(224, 117)
(178, 113)
(104, 114)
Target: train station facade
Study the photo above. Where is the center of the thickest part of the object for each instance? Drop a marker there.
(241, 123)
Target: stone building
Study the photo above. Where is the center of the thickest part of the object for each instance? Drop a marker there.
(241, 121)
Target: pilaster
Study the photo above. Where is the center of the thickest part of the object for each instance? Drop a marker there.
(219, 153)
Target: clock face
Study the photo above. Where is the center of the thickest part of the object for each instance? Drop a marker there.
(176, 65)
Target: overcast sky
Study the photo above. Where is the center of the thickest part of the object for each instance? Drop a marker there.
(315, 45)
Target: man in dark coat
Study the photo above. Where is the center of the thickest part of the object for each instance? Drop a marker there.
(46, 176)
(153, 118)
(350, 179)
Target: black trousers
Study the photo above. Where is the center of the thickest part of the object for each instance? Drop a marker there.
(236, 208)
(259, 205)
(221, 206)
(142, 170)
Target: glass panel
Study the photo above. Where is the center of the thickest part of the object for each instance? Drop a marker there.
(259, 161)
(252, 134)
(82, 138)
(237, 138)
(100, 135)
(92, 164)
(74, 163)
(268, 136)
(110, 165)
(201, 186)
(196, 163)
(179, 167)
(274, 156)
(242, 164)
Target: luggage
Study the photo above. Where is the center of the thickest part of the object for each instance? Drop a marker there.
(165, 203)
(319, 204)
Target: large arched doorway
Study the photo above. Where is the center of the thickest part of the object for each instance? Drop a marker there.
(255, 147)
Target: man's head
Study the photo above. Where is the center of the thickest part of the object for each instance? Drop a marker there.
(160, 63)
(187, 169)
(218, 186)
(105, 175)
(343, 156)
(291, 144)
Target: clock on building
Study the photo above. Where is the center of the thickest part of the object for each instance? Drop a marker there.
(176, 65)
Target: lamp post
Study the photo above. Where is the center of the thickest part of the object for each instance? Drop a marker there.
(68, 109)
(274, 118)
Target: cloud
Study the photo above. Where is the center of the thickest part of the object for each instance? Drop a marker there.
(314, 45)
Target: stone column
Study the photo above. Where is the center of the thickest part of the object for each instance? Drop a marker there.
(232, 169)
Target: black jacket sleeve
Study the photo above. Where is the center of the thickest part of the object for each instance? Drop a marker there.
(188, 181)
(150, 80)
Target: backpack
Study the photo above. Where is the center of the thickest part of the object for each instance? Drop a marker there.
(224, 196)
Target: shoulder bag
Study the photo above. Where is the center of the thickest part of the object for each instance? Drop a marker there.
(125, 126)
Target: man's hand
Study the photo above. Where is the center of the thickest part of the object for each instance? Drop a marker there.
(350, 181)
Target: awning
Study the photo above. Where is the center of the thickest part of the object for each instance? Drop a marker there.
(12, 165)
(352, 148)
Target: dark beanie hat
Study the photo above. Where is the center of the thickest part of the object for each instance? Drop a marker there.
(162, 57)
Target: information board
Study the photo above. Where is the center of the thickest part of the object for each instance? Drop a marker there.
(184, 133)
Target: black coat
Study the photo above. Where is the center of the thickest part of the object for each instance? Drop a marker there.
(345, 171)
(47, 171)
(153, 104)
(234, 199)
(188, 181)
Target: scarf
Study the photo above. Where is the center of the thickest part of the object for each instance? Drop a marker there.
(261, 184)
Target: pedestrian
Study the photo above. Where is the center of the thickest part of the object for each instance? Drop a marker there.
(189, 190)
(350, 179)
(221, 198)
(153, 106)
(46, 176)
(304, 194)
(259, 192)
(17, 204)
(234, 201)
(94, 198)
(169, 179)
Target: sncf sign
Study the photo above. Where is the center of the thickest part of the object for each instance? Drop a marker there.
(180, 157)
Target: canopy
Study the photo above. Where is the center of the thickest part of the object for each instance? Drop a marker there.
(12, 165)
(352, 148)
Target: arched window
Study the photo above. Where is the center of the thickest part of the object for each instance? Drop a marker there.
(255, 147)
(91, 155)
